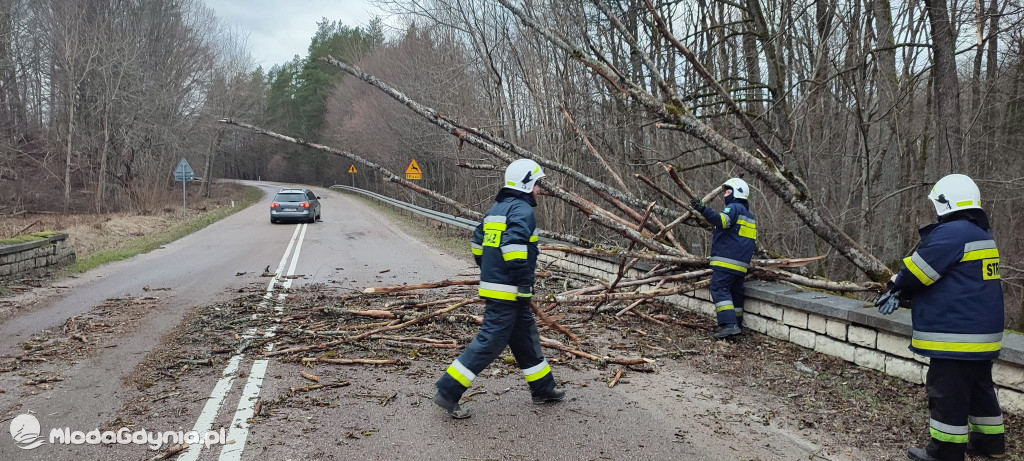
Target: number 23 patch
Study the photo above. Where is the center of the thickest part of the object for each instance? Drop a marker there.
(990, 269)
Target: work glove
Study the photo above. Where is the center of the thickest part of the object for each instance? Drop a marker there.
(477, 259)
(697, 204)
(888, 303)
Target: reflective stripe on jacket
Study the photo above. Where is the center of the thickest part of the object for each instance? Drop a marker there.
(506, 245)
(953, 278)
(733, 242)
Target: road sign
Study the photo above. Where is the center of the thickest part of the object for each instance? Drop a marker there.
(413, 171)
(183, 172)
(352, 169)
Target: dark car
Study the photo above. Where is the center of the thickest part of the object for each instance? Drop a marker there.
(300, 205)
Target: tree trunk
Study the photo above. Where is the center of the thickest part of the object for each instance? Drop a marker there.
(101, 180)
(889, 125)
(946, 86)
(208, 170)
(67, 158)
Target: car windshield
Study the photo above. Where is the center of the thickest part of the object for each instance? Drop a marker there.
(292, 197)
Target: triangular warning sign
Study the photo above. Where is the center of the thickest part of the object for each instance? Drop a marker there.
(413, 171)
(352, 169)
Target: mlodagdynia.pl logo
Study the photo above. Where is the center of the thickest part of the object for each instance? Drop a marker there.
(25, 430)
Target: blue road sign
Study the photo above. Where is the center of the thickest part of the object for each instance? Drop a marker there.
(183, 172)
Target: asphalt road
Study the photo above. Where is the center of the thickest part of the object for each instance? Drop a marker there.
(351, 242)
(675, 414)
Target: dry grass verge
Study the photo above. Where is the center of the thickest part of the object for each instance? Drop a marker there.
(102, 238)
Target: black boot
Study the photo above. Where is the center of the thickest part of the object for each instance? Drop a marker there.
(555, 395)
(727, 330)
(920, 454)
(453, 408)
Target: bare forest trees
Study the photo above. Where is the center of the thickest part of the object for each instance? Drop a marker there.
(100, 98)
(838, 112)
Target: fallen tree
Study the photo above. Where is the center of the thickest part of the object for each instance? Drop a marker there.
(761, 162)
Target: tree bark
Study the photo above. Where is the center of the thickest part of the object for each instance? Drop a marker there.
(946, 86)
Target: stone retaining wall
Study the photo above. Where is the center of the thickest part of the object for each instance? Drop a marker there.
(35, 258)
(841, 327)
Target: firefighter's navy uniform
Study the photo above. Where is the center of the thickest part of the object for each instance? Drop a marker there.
(732, 247)
(505, 247)
(957, 313)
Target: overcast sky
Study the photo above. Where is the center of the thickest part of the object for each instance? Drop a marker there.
(278, 29)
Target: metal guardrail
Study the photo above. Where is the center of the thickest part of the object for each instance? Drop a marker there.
(435, 215)
(464, 223)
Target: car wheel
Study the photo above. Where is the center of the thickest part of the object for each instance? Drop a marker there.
(273, 221)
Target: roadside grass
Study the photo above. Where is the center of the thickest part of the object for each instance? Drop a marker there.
(151, 242)
(454, 241)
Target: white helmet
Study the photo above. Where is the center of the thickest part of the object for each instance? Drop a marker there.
(955, 192)
(740, 189)
(522, 174)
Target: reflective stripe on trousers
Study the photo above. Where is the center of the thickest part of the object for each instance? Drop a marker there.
(947, 433)
(461, 374)
(537, 371)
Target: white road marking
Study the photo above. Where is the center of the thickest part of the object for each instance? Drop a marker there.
(240, 424)
(291, 271)
(212, 407)
(206, 418)
(246, 407)
(284, 261)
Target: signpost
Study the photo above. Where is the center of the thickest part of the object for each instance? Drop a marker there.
(184, 173)
(352, 171)
(413, 171)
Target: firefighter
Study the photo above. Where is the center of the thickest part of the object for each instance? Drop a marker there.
(732, 246)
(952, 283)
(505, 247)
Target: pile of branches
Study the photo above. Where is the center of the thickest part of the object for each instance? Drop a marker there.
(373, 327)
(649, 227)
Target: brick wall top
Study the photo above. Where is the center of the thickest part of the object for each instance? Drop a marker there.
(859, 312)
(8, 249)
